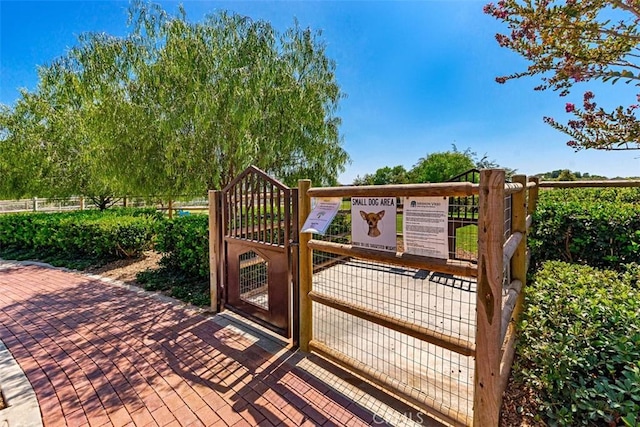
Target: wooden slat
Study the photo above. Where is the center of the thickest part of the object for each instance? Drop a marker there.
(460, 268)
(257, 218)
(515, 287)
(512, 187)
(273, 215)
(263, 212)
(399, 190)
(279, 203)
(506, 361)
(387, 383)
(244, 206)
(287, 217)
(457, 345)
(510, 247)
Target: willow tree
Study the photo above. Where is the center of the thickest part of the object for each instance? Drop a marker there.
(177, 107)
(568, 42)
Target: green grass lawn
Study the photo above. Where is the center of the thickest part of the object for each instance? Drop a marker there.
(467, 238)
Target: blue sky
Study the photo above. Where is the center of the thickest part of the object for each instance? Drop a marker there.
(419, 77)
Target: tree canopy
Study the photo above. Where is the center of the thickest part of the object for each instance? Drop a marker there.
(440, 167)
(573, 41)
(435, 167)
(175, 108)
(384, 176)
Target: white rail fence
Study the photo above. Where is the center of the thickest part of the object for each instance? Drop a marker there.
(36, 204)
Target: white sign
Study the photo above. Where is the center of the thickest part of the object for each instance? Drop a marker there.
(373, 223)
(424, 226)
(321, 215)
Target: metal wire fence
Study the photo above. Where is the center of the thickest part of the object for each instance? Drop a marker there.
(60, 204)
(254, 279)
(442, 303)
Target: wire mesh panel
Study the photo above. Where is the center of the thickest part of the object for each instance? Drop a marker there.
(254, 279)
(463, 220)
(442, 303)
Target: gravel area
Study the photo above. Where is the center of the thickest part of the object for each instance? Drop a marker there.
(125, 270)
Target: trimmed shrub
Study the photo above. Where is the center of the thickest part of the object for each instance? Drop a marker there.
(598, 227)
(184, 243)
(102, 236)
(579, 348)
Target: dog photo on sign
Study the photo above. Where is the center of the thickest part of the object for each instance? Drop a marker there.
(372, 220)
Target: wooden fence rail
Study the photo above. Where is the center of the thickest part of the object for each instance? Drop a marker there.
(494, 343)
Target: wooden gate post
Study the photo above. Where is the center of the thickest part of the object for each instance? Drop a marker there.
(533, 195)
(306, 267)
(486, 402)
(215, 277)
(519, 225)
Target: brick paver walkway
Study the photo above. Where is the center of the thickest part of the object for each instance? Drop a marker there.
(98, 354)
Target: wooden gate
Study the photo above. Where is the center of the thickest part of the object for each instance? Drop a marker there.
(259, 250)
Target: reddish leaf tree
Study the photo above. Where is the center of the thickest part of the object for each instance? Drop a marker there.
(575, 41)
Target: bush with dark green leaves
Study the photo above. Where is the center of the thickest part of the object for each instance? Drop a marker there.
(184, 272)
(85, 235)
(579, 346)
(598, 227)
(184, 244)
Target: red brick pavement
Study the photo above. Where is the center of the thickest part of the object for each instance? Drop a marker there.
(103, 355)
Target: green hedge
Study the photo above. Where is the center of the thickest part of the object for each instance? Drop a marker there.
(594, 195)
(184, 243)
(598, 227)
(579, 349)
(118, 233)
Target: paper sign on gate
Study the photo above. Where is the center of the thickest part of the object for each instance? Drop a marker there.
(424, 226)
(373, 223)
(321, 215)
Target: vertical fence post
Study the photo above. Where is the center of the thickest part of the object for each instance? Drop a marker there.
(533, 195)
(489, 299)
(294, 268)
(306, 266)
(124, 202)
(215, 216)
(519, 224)
(82, 207)
(170, 209)
(35, 204)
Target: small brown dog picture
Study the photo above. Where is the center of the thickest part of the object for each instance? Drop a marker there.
(372, 220)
